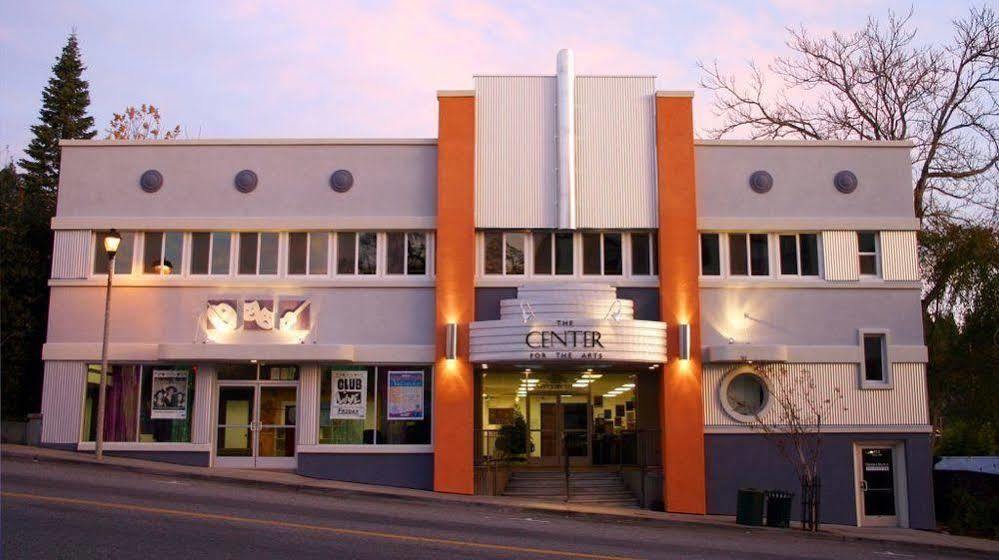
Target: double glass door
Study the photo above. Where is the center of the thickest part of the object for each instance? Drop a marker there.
(256, 425)
(559, 428)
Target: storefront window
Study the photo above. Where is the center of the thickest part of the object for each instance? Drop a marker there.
(375, 406)
(143, 403)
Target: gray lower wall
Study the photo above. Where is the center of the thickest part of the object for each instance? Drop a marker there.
(190, 458)
(736, 461)
(406, 470)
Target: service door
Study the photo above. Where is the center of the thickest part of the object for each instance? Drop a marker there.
(878, 486)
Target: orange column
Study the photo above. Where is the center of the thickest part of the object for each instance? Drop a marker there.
(679, 300)
(453, 381)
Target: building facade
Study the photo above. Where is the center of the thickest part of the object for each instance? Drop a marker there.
(564, 276)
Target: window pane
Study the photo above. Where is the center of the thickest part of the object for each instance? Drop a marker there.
(542, 252)
(655, 253)
(279, 373)
(367, 257)
(640, 254)
(515, 243)
(152, 252)
(318, 250)
(788, 254)
(298, 247)
(268, 253)
(416, 255)
(873, 351)
(494, 252)
(247, 253)
(563, 253)
(737, 261)
(710, 255)
(759, 255)
(174, 252)
(396, 253)
(591, 253)
(360, 427)
(404, 406)
(612, 253)
(866, 242)
(221, 242)
(345, 252)
(120, 406)
(868, 264)
(809, 254)
(122, 259)
(166, 404)
(200, 246)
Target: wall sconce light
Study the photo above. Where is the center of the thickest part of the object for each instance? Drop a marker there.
(684, 350)
(451, 341)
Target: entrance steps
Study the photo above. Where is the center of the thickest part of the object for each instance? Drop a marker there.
(602, 488)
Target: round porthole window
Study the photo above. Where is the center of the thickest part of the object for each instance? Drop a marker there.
(245, 181)
(744, 394)
(341, 180)
(761, 182)
(151, 181)
(846, 182)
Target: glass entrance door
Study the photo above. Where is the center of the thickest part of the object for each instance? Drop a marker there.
(559, 426)
(877, 484)
(256, 425)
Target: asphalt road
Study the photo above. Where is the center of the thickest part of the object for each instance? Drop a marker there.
(53, 510)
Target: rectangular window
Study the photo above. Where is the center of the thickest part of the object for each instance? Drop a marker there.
(143, 404)
(210, 252)
(162, 252)
(504, 253)
(543, 256)
(868, 248)
(346, 252)
(874, 358)
(641, 254)
(258, 253)
(591, 253)
(759, 255)
(365, 405)
(799, 254)
(407, 253)
(613, 263)
(367, 253)
(809, 253)
(748, 254)
(514, 244)
(552, 253)
(307, 252)
(122, 259)
(738, 261)
(563, 253)
(493, 252)
(602, 254)
(710, 255)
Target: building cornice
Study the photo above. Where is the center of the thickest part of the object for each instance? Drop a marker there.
(807, 143)
(253, 142)
(776, 224)
(250, 223)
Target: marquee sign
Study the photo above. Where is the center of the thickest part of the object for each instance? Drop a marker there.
(568, 340)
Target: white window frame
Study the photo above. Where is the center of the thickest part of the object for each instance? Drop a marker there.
(189, 249)
(551, 236)
(95, 236)
(876, 254)
(797, 247)
(259, 234)
(727, 264)
(179, 269)
(528, 254)
(627, 256)
(380, 254)
(405, 253)
(722, 254)
(887, 381)
(308, 254)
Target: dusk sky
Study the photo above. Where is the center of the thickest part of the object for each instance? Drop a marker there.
(314, 69)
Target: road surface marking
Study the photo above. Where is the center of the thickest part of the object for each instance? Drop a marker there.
(292, 525)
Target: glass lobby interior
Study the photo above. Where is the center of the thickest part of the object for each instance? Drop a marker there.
(592, 416)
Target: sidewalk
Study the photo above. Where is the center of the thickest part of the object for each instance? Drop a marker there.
(288, 480)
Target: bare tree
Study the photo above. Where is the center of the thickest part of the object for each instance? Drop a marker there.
(142, 123)
(879, 83)
(792, 419)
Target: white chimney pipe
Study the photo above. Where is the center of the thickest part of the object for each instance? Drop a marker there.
(566, 111)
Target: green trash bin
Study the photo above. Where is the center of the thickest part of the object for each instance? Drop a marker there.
(779, 508)
(749, 507)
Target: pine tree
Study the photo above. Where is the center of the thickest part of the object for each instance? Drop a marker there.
(63, 116)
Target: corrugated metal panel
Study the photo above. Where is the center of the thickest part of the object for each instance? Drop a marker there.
(71, 254)
(616, 152)
(904, 404)
(62, 401)
(839, 252)
(515, 152)
(899, 256)
(308, 405)
(204, 404)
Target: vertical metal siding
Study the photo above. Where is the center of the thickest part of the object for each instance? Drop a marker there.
(204, 404)
(308, 404)
(899, 256)
(515, 152)
(71, 254)
(839, 252)
(62, 401)
(903, 404)
(616, 152)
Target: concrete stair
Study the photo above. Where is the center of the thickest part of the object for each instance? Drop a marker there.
(600, 488)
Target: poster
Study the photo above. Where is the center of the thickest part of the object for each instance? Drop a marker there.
(169, 394)
(350, 392)
(405, 395)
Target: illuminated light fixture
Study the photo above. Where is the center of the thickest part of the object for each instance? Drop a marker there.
(629, 385)
(580, 384)
(451, 341)
(684, 350)
(253, 361)
(532, 381)
(111, 242)
(485, 366)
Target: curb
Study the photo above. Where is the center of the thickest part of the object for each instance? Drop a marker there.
(340, 488)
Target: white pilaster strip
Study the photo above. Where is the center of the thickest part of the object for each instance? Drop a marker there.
(308, 404)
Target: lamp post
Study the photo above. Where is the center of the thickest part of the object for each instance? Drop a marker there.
(111, 242)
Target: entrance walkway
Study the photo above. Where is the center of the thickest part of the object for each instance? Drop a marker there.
(293, 481)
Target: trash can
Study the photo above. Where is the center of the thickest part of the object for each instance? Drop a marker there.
(779, 508)
(749, 507)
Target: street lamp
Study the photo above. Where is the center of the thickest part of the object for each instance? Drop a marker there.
(111, 242)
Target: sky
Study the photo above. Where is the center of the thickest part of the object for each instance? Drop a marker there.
(325, 69)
